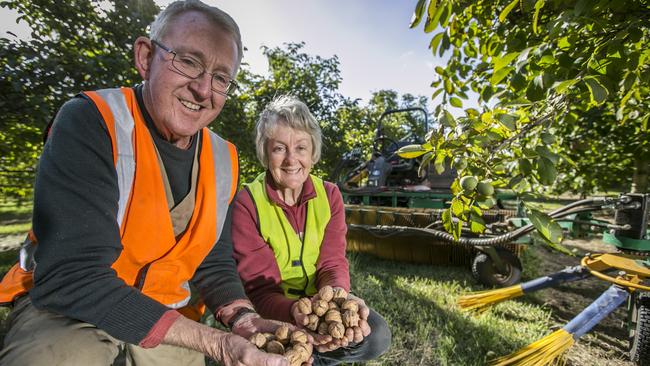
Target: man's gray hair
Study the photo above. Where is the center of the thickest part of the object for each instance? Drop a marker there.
(217, 17)
(286, 110)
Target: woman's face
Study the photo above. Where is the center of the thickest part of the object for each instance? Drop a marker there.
(290, 157)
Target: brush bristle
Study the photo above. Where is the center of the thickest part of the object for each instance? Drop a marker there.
(546, 351)
(478, 302)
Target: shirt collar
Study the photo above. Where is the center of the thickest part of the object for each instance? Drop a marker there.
(308, 191)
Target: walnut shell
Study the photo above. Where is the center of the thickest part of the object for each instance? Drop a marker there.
(304, 349)
(326, 293)
(313, 322)
(333, 306)
(350, 319)
(258, 339)
(282, 334)
(340, 295)
(333, 316)
(304, 305)
(269, 336)
(275, 347)
(298, 336)
(350, 305)
(319, 307)
(336, 330)
(295, 357)
(323, 328)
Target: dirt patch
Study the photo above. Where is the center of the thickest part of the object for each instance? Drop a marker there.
(607, 343)
(10, 242)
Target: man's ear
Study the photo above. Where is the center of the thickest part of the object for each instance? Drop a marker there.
(143, 52)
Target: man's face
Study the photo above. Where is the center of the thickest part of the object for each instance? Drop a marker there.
(178, 105)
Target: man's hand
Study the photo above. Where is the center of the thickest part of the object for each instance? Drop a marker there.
(229, 349)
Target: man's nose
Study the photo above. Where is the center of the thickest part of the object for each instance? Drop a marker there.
(202, 86)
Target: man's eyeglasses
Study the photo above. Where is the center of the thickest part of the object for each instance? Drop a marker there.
(191, 68)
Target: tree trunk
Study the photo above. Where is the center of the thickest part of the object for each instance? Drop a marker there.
(641, 174)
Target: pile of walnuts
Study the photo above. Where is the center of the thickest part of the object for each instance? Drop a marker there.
(291, 344)
(330, 312)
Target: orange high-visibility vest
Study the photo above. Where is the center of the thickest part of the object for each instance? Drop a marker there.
(152, 257)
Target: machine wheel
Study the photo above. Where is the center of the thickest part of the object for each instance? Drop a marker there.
(640, 330)
(486, 273)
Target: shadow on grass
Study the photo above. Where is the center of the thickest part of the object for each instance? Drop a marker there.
(427, 327)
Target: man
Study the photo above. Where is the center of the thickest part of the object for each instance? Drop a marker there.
(131, 215)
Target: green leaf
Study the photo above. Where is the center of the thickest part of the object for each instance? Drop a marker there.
(411, 151)
(501, 62)
(446, 220)
(439, 163)
(525, 167)
(500, 75)
(538, 6)
(597, 91)
(435, 42)
(549, 229)
(424, 164)
(547, 138)
(548, 154)
(476, 223)
(436, 93)
(457, 207)
(440, 70)
(563, 86)
(546, 171)
(535, 90)
(449, 86)
(456, 102)
(430, 25)
(417, 15)
(455, 187)
(507, 10)
(644, 122)
(508, 120)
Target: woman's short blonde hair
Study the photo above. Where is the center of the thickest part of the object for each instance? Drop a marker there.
(289, 111)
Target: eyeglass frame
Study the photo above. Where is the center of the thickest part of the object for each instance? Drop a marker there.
(232, 84)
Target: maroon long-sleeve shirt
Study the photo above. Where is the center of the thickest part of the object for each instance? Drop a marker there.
(256, 262)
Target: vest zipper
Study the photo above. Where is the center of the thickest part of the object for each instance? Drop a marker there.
(139, 283)
(302, 250)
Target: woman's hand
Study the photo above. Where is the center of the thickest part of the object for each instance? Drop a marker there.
(363, 329)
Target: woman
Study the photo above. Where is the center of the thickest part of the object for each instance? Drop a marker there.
(289, 230)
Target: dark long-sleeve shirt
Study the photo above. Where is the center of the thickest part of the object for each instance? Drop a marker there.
(75, 209)
(256, 261)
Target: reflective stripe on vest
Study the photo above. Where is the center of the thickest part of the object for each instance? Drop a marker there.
(150, 248)
(296, 258)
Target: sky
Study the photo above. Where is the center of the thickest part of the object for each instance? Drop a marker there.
(372, 39)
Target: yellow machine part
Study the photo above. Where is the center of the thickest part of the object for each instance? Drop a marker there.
(632, 272)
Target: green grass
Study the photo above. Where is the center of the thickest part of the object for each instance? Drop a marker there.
(419, 304)
(13, 229)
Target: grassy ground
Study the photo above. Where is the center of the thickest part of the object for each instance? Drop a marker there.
(419, 303)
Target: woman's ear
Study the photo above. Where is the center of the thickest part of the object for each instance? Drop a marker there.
(143, 52)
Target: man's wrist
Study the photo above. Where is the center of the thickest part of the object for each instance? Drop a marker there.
(238, 315)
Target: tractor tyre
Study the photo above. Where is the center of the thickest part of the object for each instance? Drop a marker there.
(487, 274)
(640, 329)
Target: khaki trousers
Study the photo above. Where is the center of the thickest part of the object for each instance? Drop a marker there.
(37, 337)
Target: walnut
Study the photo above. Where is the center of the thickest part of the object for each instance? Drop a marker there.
(319, 307)
(304, 349)
(258, 339)
(333, 306)
(323, 329)
(350, 305)
(313, 322)
(326, 293)
(336, 330)
(350, 319)
(298, 336)
(282, 334)
(340, 295)
(333, 316)
(295, 357)
(275, 347)
(304, 305)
